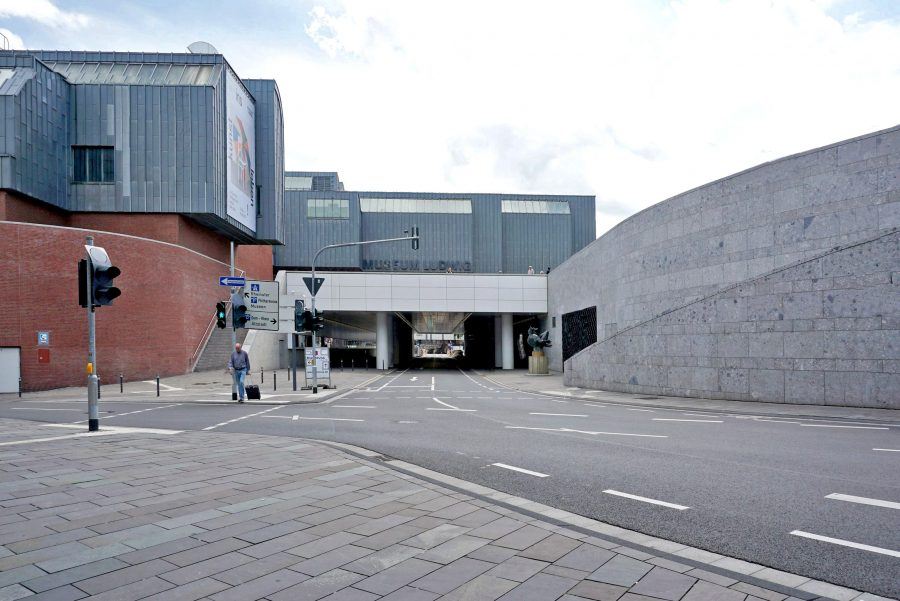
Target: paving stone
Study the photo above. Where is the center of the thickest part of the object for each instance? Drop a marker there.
(162, 550)
(543, 587)
(410, 594)
(135, 590)
(62, 593)
(453, 575)
(89, 570)
(756, 591)
(670, 565)
(208, 567)
(706, 591)
(565, 572)
(273, 531)
(262, 587)
(277, 545)
(522, 538)
(664, 584)
(497, 528)
(453, 549)
(483, 588)
(712, 577)
(598, 591)
(13, 592)
(70, 560)
(324, 544)
(492, 554)
(331, 559)
(621, 570)
(20, 574)
(397, 576)
(318, 587)
(585, 557)
(339, 525)
(635, 597)
(551, 548)
(111, 580)
(389, 537)
(518, 569)
(383, 559)
(381, 524)
(204, 552)
(191, 591)
(351, 594)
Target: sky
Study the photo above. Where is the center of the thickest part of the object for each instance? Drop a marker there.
(631, 101)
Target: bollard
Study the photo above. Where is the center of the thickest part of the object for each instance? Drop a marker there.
(342, 364)
(351, 363)
(274, 380)
(157, 384)
(98, 388)
(289, 375)
(20, 388)
(262, 375)
(121, 383)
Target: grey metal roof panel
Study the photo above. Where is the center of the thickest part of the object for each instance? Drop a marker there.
(137, 73)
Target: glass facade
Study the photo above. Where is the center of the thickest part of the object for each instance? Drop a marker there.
(297, 182)
(415, 205)
(543, 207)
(327, 208)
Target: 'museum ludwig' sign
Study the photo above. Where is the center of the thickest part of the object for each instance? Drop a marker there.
(414, 265)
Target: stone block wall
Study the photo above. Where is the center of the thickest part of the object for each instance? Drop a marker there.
(779, 284)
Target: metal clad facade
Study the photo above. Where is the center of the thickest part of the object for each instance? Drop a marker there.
(269, 159)
(488, 239)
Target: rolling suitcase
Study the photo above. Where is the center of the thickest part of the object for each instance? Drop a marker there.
(252, 390)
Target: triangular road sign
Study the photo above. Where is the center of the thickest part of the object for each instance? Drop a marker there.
(309, 285)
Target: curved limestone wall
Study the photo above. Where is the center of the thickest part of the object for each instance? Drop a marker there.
(780, 283)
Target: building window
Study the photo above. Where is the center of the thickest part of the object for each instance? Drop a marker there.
(545, 207)
(297, 182)
(93, 164)
(327, 208)
(415, 205)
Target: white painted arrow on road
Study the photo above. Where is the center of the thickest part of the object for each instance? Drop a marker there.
(413, 379)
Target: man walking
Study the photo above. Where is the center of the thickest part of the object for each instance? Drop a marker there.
(239, 366)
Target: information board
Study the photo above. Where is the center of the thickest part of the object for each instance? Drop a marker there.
(261, 300)
(321, 358)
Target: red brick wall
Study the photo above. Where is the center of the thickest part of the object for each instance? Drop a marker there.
(168, 295)
(16, 208)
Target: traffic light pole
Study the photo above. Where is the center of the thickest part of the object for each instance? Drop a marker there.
(233, 330)
(92, 381)
(315, 366)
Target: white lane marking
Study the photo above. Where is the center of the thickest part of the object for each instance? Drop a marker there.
(355, 406)
(520, 469)
(84, 421)
(231, 421)
(43, 409)
(388, 383)
(702, 414)
(846, 543)
(702, 421)
(585, 432)
(414, 378)
(647, 410)
(299, 417)
(119, 429)
(448, 405)
(448, 409)
(407, 422)
(432, 382)
(646, 499)
(852, 427)
(888, 450)
(593, 405)
(560, 414)
(863, 500)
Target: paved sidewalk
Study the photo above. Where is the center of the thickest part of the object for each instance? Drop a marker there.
(210, 386)
(134, 514)
(553, 385)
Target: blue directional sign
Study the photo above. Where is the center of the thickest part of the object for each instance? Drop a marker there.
(232, 280)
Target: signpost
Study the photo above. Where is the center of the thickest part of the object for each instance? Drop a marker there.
(314, 290)
(261, 299)
(231, 281)
(318, 363)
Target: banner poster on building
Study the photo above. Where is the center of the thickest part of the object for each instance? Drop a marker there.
(240, 172)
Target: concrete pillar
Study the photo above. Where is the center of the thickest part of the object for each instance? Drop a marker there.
(498, 343)
(382, 340)
(507, 339)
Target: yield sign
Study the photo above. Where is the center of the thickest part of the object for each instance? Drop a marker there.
(309, 285)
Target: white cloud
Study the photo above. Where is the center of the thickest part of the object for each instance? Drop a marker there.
(12, 41)
(42, 11)
(633, 102)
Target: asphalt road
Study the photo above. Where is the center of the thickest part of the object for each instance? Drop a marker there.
(739, 485)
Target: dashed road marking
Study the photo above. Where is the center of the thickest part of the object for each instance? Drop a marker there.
(646, 499)
(863, 500)
(522, 470)
(888, 450)
(299, 417)
(632, 409)
(846, 543)
(851, 427)
(237, 419)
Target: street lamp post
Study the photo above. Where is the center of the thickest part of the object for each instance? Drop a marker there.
(413, 236)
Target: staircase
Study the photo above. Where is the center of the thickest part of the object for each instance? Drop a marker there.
(218, 349)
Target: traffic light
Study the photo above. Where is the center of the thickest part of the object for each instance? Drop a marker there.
(298, 315)
(318, 322)
(239, 317)
(414, 232)
(102, 275)
(306, 321)
(221, 314)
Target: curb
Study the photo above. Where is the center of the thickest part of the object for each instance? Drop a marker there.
(698, 558)
(625, 402)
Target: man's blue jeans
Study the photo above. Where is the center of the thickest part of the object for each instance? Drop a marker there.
(239, 381)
